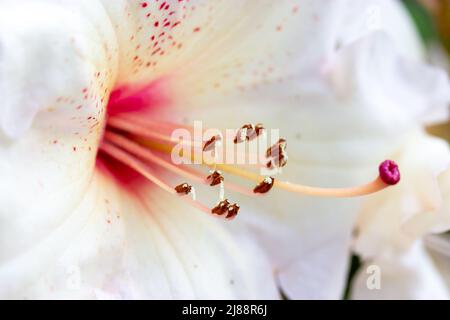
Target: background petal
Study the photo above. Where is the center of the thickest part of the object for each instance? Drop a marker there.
(115, 245)
(393, 219)
(55, 75)
(411, 275)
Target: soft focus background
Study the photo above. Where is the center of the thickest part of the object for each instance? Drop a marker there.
(432, 19)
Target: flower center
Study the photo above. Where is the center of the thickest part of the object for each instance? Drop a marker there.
(137, 148)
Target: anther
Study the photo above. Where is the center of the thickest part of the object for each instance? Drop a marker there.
(243, 132)
(215, 178)
(264, 186)
(278, 162)
(278, 154)
(248, 132)
(211, 143)
(221, 208)
(232, 211)
(183, 188)
(278, 148)
(259, 129)
(389, 172)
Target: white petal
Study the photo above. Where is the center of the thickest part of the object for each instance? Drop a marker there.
(58, 71)
(307, 239)
(321, 94)
(439, 248)
(333, 141)
(395, 90)
(57, 60)
(411, 275)
(397, 216)
(115, 245)
(172, 38)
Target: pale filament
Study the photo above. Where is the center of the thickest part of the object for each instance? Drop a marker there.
(366, 189)
(146, 154)
(138, 127)
(148, 121)
(141, 168)
(139, 130)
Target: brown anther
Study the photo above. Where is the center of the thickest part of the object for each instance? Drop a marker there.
(255, 132)
(278, 155)
(279, 162)
(243, 133)
(264, 186)
(211, 143)
(248, 132)
(259, 129)
(278, 148)
(215, 178)
(232, 211)
(183, 188)
(221, 208)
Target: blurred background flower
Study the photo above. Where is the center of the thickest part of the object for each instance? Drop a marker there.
(416, 268)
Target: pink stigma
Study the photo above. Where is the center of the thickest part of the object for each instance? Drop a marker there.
(389, 172)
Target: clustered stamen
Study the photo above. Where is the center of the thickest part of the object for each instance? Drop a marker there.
(225, 207)
(132, 140)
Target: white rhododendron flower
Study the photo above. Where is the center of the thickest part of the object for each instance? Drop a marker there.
(92, 205)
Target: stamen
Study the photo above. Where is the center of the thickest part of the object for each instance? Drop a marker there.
(141, 168)
(221, 208)
(215, 178)
(278, 155)
(139, 138)
(241, 135)
(127, 123)
(278, 162)
(146, 154)
(183, 188)
(211, 143)
(139, 130)
(221, 191)
(232, 211)
(259, 129)
(248, 132)
(278, 147)
(264, 186)
(150, 123)
(225, 207)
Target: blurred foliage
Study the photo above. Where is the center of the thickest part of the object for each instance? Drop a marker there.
(423, 20)
(355, 264)
(441, 130)
(432, 18)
